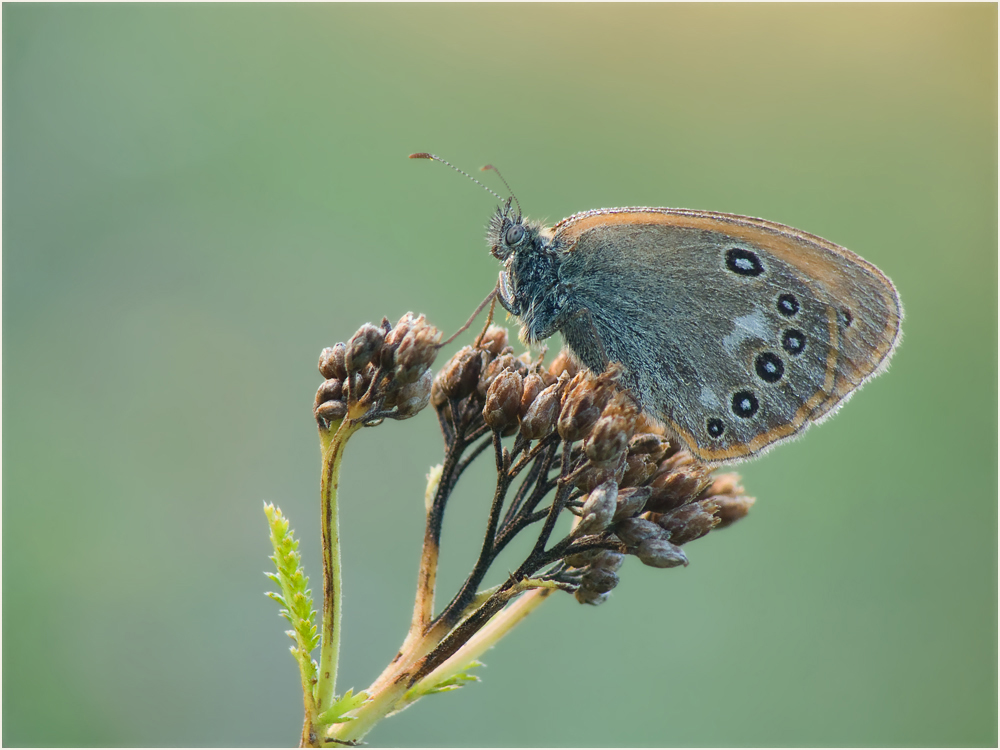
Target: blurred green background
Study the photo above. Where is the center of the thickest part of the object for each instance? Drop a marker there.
(198, 198)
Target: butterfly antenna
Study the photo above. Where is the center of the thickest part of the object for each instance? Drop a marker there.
(490, 166)
(423, 155)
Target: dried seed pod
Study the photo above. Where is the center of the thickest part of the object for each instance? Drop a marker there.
(608, 439)
(533, 385)
(639, 469)
(607, 559)
(731, 508)
(599, 580)
(673, 489)
(494, 340)
(331, 362)
(413, 397)
(564, 363)
(581, 559)
(330, 411)
(659, 553)
(579, 409)
(503, 400)
(329, 390)
(416, 350)
(540, 418)
(597, 511)
(649, 443)
(725, 484)
(588, 596)
(490, 372)
(690, 521)
(460, 375)
(631, 502)
(364, 346)
(635, 531)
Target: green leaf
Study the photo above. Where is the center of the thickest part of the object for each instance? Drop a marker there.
(295, 598)
(455, 681)
(345, 704)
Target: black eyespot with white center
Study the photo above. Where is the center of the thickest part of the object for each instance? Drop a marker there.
(846, 318)
(793, 341)
(788, 305)
(745, 404)
(743, 262)
(715, 427)
(514, 234)
(769, 367)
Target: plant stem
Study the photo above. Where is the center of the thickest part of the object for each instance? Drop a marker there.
(332, 445)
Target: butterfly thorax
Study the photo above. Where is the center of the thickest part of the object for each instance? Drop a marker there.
(530, 284)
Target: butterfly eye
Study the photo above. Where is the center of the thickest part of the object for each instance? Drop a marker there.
(514, 234)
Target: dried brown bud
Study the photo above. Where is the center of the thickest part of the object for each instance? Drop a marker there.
(329, 390)
(634, 531)
(594, 474)
(731, 508)
(631, 502)
(579, 409)
(597, 510)
(672, 488)
(689, 522)
(607, 559)
(413, 397)
(564, 363)
(581, 559)
(649, 443)
(503, 400)
(460, 375)
(490, 372)
(331, 362)
(589, 596)
(330, 411)
(725, 484)
(494, 340)
(611, 433)
(639, 469)
(540, 418)
(599, 580)
(417, 349)
(659, 553)
(364, 346)
(533, 385)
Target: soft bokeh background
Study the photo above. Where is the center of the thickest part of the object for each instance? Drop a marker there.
(197, 199)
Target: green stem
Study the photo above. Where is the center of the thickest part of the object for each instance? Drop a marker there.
(332, 445)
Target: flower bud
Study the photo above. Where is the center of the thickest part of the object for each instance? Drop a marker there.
(649, 443)
(363, 347)
(635, 531)
(331, 362)
(579, 411)
(330, 411)
(460, 375)
(494, 368)
(607, 559)
(564, 363)
(581, 559)
(533, 385)
(690, 521)
(413, 397)
(631, 502)
(540, 418)
(598, 510)
(588, 596)
(503, 399)
(608, 439)
(416, 351)
(731, 508)
(639, 469)
(494, 340)
(599, 580)
(659, 553)
(329, 390)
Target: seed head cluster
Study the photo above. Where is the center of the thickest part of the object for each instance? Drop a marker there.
(634, 491)
(382, 372)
